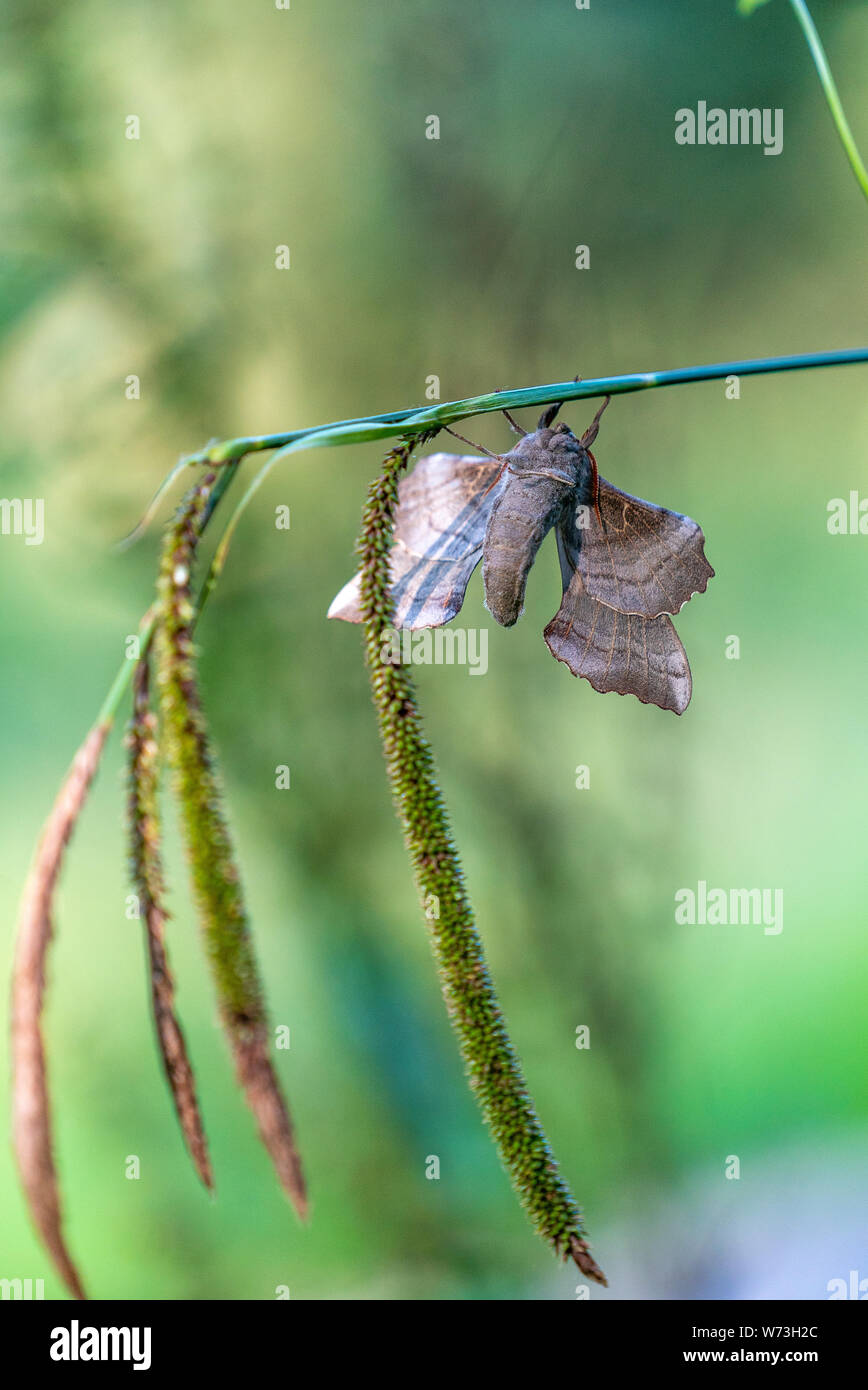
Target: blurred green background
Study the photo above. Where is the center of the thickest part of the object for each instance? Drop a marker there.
(412, 257)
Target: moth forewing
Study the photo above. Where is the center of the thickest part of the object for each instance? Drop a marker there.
(643, 558)
(443, 508)
(444, 503)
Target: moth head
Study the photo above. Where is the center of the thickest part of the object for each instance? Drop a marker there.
(546, 421)
(559, 439)
(561, 436)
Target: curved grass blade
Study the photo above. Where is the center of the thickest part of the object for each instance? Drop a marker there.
(147, 516)
(827, 82)
(492, 1066)
(216, 885)
(830, 91)
(147, 877)
(31, 1108)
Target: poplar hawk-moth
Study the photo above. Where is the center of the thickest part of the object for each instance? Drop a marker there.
(626, 564)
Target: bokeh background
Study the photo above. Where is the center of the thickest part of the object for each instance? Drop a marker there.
(412, 257)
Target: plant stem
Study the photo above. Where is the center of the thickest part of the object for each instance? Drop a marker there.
(821, 63)
(119, 686)
(491, 1062)
(398, 422)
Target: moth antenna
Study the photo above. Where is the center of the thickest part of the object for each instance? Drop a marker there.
(548, 415)
(595, 474)
(591, 432)
(481, 447)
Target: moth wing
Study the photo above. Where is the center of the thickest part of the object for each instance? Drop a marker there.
(443, 510)
(625, 652)
(643, 559)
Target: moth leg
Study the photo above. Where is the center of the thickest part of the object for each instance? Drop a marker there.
(496, 479)
(480, 447)
(543, 473)
(593, 428)
(516, 428)
(513, 424)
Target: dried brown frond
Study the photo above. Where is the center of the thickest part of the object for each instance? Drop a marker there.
(31, 1109)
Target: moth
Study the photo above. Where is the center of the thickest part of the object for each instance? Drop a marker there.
(626, 564)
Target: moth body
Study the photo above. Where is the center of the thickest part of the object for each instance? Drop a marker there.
(544, 475)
